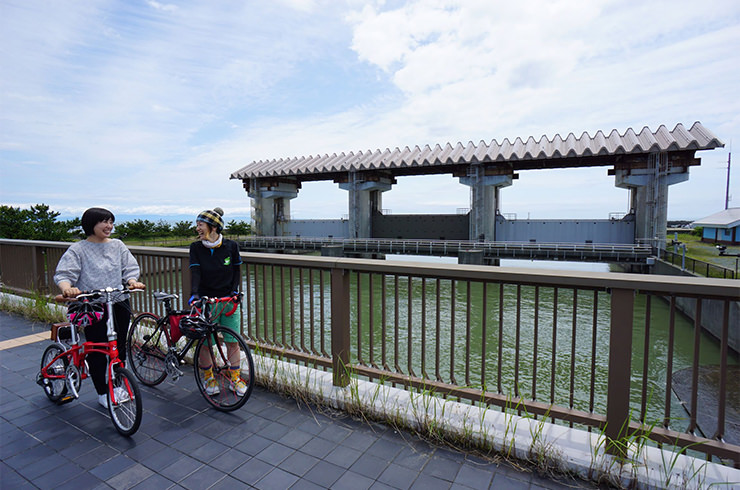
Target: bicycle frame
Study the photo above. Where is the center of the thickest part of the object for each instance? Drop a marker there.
(204, 313)
(77, 353)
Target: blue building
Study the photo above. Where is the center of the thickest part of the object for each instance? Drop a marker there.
(722, 227)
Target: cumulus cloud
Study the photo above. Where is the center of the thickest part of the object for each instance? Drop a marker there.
(151, 106)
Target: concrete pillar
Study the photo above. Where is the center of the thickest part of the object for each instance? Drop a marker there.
(649, 197)
(271, 205)
(484, 199)
(365, 197)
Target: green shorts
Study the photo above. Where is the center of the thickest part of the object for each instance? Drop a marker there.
(232, 322)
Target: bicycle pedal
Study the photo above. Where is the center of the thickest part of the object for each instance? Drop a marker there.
(66, 399)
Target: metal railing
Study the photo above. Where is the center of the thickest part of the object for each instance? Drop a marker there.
(601, 252)
(697, 266)
(595, 350)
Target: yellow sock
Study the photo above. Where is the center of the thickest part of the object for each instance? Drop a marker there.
(208, 373)
(235, 375)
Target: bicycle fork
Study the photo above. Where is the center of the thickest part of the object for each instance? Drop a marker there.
(113, 395)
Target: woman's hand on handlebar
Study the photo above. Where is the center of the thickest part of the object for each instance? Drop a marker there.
(70, 292)
(134, 284)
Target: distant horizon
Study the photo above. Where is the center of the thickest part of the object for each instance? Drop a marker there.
(169, 218)
(174, 218)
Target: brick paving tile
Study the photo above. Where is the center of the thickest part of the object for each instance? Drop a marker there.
(271, 442)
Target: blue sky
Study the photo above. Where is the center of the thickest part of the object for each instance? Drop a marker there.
(147, 107)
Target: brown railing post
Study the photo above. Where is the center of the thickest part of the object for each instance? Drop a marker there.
(340, 335)
(620, 360)
(38, 280)
(186, 283)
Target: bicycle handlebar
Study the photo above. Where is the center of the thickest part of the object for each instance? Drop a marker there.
(236, 299)
(94, 293)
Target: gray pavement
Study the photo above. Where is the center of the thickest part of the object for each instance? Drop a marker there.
(272, 442)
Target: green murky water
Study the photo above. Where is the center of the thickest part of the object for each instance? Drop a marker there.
(539, 343)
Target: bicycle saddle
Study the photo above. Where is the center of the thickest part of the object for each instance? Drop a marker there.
(161, 295)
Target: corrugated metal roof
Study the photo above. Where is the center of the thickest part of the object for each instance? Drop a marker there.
(646, 141)
(728, 218)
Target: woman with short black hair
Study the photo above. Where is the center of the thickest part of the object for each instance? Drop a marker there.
(99, 262)
(93, 216)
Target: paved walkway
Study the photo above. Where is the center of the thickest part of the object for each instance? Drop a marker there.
(271, 443)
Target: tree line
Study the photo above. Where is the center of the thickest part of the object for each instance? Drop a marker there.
(39, 222)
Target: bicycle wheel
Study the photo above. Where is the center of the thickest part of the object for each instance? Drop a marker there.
(125, 411)
(55, 389)
(146, 347)
(230, 386)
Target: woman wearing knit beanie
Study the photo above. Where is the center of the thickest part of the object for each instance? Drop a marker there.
(215, 272)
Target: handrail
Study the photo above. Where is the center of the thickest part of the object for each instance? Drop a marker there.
(705, 268)
(347, 313)
(532, 250)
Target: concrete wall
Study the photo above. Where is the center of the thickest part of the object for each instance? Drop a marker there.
(456, 227)
(421, 226)
(337, 228)
(712, 312)
(566, 231)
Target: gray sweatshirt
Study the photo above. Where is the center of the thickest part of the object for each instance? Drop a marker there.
(88, 265)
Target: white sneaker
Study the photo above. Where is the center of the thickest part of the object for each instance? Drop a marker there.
(103, 400)
(122, 395)
(212, 387)
(240, 387)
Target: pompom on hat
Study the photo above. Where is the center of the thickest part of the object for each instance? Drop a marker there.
(213, 218)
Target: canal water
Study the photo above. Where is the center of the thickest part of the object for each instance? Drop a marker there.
(461, 353)
(580, 364)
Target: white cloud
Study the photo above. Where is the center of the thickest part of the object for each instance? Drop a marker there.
(150, 106)
(165, 7)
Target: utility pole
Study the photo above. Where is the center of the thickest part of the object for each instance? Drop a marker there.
(727, 190)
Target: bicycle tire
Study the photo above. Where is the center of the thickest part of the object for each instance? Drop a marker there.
(225, 398)
(54, 389)
(126, 415)
(147, 345)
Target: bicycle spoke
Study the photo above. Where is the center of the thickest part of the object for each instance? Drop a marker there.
(124, 402)
(225, 385)
(54, 389)
(147, 347)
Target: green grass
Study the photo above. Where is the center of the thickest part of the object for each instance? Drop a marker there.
(36, 308)
(704, 251)
(169, 241)
(159, 241)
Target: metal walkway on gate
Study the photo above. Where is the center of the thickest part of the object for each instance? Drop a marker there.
(592, 252)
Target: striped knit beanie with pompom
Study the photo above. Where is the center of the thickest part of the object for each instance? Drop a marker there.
(213, 218)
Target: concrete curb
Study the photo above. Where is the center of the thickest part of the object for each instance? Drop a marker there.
(20, 300)
(555, 446)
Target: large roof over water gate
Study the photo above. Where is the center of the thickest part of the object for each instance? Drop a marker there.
(627, 150)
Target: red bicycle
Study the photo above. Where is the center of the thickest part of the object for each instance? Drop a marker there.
(63, 365)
